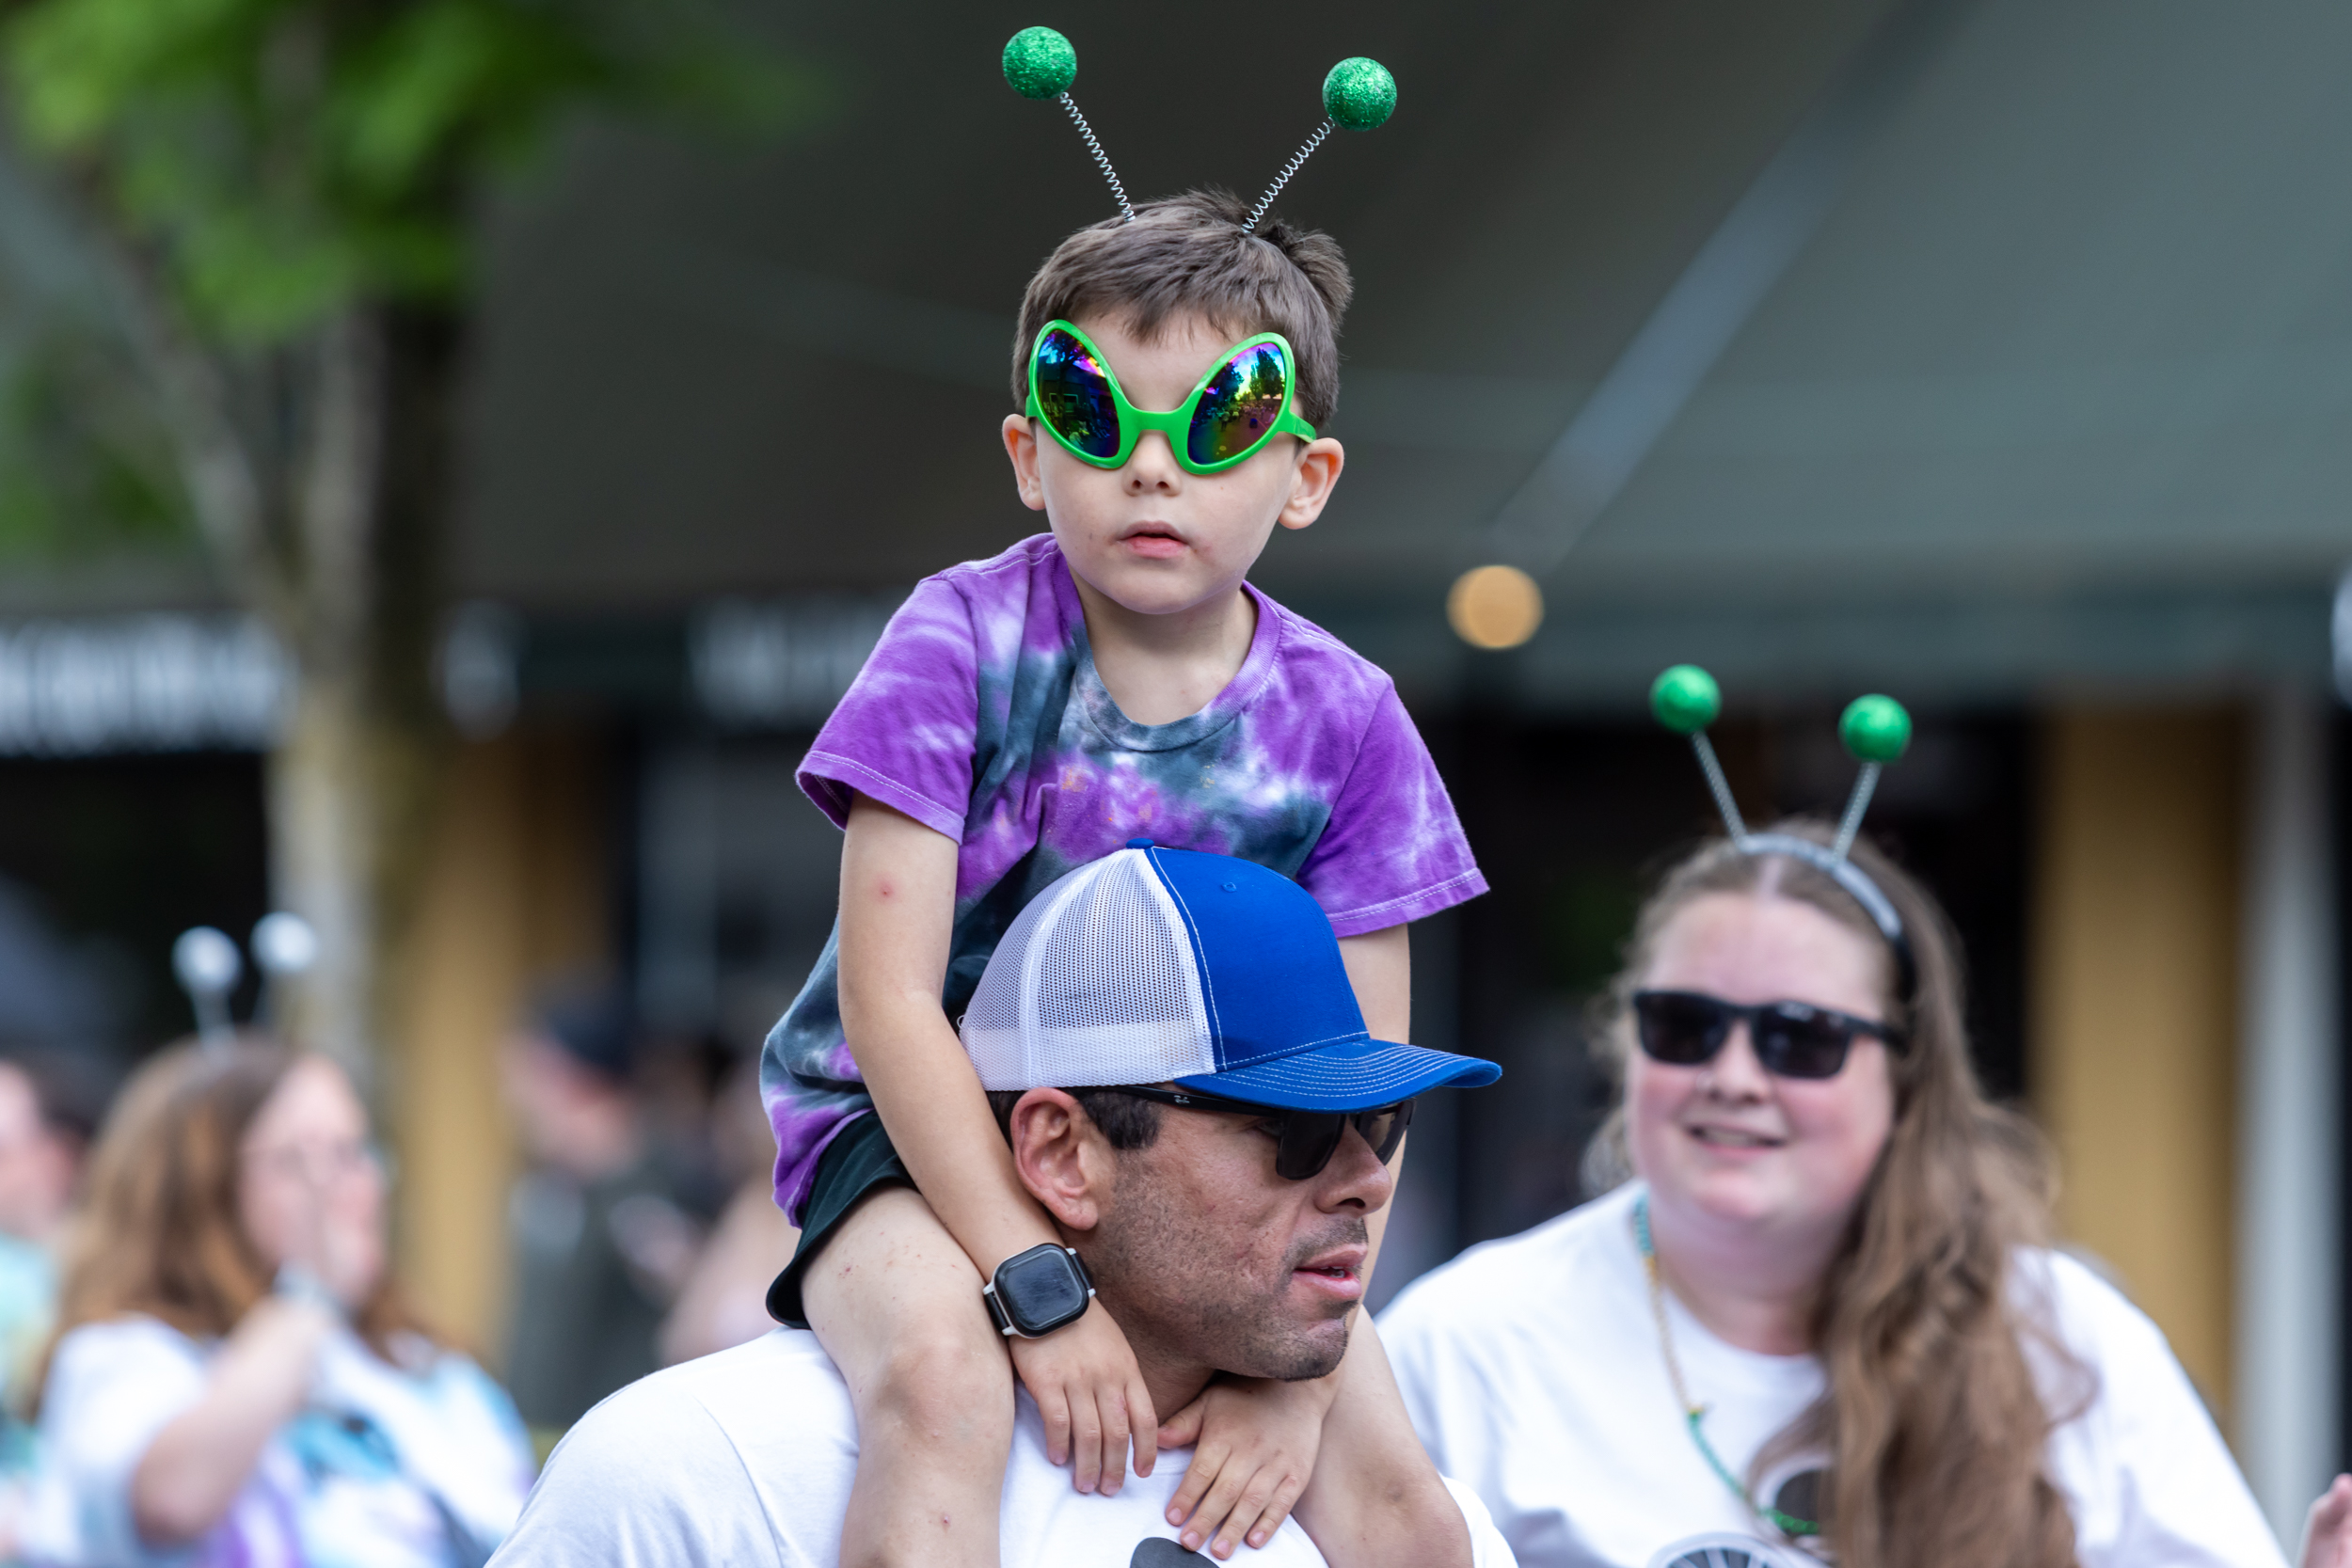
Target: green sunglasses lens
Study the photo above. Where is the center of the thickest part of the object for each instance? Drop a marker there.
(1239, 405)
(1074, 394)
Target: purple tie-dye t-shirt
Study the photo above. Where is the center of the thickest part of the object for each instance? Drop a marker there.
(980, 714)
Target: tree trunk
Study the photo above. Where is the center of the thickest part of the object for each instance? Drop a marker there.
(350, 574)
(321, 473)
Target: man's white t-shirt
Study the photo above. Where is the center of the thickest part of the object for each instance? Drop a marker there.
(1533, 1371)
(746, 1458)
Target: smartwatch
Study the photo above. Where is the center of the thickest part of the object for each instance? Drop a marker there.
(1037, 1291)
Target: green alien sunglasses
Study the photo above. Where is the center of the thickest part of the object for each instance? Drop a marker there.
(1248, 398)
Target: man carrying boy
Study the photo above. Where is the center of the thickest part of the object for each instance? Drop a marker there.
(1224, 1235)
(1024, 714)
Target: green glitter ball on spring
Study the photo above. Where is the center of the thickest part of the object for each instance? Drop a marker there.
(1684, 698)
(1040, 63)
(1875, 729)
(1360, 94)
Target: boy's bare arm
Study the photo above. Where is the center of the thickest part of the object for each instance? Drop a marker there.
(897, 913)
(898, 908)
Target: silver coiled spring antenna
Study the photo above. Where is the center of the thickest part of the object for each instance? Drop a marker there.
(1040, 63)
(1297, 161)
(1358, 94)
(1103, 159)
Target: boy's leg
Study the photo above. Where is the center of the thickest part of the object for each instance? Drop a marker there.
(897, 1304)
(1375, 1498)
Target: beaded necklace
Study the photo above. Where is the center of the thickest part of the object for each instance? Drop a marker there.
(1693, 1414)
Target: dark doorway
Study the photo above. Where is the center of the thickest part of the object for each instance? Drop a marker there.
(108, 860)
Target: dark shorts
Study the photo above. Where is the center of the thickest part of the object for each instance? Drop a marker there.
(858, 1161)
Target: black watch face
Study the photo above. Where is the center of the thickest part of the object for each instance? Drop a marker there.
(1040, 1288)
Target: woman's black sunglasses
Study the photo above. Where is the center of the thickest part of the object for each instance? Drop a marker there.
(1793, 1039)
(1304, 1141)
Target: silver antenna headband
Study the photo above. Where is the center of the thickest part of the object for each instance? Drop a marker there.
(1875, 731)
(1358, 95)
(208, 966)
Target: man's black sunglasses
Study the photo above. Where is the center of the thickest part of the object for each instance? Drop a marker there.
(1304, 1141)
(1793, 1039)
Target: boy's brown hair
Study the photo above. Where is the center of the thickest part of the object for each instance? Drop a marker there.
(1189, 256)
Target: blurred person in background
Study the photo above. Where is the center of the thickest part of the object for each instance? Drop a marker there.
(236, 1380)
(681, 1081)
(602, 1244)
(723, 1302)
(1820, 1318)
(49, 1108)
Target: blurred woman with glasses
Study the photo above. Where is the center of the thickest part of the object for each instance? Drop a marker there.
(1819, 1319)
(236, 1379)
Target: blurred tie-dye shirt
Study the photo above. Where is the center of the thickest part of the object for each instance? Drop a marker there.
(417, 1463)
(980, 715)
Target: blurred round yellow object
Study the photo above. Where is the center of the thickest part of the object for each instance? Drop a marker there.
(1494, 607)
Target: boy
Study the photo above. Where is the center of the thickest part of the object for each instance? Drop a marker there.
(1113, 679)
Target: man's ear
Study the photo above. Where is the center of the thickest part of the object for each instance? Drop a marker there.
(1060, 1157)
(1316, 477)
(1021, 446)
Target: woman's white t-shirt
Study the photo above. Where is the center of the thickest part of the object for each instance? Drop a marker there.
(1533, 1370)
(384, 1467)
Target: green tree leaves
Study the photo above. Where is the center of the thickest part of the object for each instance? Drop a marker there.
(84, 472)
(274, 159)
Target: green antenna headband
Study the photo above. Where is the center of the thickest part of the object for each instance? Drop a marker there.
(1358, 95)
(1875, 731)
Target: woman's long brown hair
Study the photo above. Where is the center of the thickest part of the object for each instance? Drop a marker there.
(159, 1233)
(1935, 1426)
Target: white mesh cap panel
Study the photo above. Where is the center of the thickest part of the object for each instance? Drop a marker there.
(991, 1026)
(1094, 983)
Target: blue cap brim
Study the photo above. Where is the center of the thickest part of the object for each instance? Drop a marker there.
(1355, 1075)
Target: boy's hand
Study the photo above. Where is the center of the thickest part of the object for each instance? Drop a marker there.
(2327, 1529)
(1256, 1442)
(1091, 1391)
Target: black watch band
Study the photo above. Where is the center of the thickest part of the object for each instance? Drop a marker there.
(1034, 1292)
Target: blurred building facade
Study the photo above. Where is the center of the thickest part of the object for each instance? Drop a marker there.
(1993, 355)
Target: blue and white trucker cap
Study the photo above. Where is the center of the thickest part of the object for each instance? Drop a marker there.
(1152, 966)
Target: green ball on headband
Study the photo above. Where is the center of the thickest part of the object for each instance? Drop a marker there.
(1040, 63)
(1875, 729)
(1685, 699)
(1359, 94)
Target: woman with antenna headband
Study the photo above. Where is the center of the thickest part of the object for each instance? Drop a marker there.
(1817, 1320)
(236, 1379)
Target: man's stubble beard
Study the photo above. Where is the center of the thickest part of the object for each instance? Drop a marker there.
(1163, 1265)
